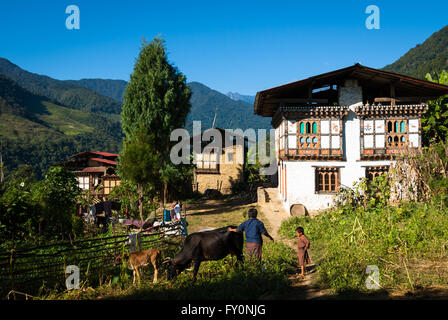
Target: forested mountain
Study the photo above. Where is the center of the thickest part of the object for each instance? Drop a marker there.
(429, 57)
(110, 88)
(61, 92)
(44, 120)
(36, 131)
(231, 114)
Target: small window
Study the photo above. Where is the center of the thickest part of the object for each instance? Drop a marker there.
(302, 127)
(308, 127)
(375, 171)
(314, 127)
(230, 157)
(402, 127)
(327, 180)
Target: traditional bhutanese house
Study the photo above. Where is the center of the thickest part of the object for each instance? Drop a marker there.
(95, 171)
(334, 128)
(219, 169)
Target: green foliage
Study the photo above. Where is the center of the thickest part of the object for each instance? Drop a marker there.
(18, 211)
(156, 100)
(47, 208)
(139, 161)
(435, 120)
(57, 196)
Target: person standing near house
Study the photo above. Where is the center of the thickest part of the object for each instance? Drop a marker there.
(177, 209)
(303, 244)
(254, 229)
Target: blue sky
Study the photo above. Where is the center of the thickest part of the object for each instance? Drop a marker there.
(243, 46)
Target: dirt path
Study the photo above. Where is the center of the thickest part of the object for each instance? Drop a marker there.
(273, 213)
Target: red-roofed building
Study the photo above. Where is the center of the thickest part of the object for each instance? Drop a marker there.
(95, 171)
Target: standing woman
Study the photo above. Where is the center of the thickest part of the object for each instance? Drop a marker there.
(303, 244)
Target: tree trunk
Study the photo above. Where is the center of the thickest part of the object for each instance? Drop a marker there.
(140, 200)
(165, 193)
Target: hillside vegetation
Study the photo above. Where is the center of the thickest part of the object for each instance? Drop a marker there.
(61, 92)
(407, 243)
(429, 57)
(36, 131)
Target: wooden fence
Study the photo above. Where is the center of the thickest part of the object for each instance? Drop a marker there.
(30, 269)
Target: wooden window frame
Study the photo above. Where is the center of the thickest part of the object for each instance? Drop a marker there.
(324, 177)
(201, 169)
(372, 172)
(308, 123)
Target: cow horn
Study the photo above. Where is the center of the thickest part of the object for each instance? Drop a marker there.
(167, 260)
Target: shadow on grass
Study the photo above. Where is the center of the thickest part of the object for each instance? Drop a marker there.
(238, 286)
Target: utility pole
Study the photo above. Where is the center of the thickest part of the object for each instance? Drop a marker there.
(214, 119)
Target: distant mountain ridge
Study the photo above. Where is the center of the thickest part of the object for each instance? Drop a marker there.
(429, 57)
(110, 88)
(62, 92)
(36, 131)
(231, 114)
(236, 96)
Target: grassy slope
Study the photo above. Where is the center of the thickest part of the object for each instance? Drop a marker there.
(407, 243)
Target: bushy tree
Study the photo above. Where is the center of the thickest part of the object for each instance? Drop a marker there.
(18, 211)
(435, 120)
(139, 163)
(157, 99)
(57, 196)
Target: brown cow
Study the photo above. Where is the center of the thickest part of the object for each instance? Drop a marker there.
(143, 258)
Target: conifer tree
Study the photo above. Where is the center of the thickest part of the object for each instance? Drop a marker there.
(157, 101)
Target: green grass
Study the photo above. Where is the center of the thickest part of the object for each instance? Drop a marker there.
(217, 280)
(69, 121)
(407, 243)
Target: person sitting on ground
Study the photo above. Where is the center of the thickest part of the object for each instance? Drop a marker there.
(253, 228)
(303, 244)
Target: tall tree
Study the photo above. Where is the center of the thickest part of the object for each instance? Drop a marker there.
(139, 163)
(435, 120)
(157, 99)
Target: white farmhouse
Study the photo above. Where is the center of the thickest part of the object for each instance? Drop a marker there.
(335, 128)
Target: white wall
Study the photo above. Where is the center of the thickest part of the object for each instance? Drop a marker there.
(300, 177)
(301, 181)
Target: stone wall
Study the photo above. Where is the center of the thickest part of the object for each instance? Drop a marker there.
(229, 172)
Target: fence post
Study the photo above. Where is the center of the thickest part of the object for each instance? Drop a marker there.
(11, 267)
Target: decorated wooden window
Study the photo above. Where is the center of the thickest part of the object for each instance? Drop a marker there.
(330, 134)
(308, 134)
(397, 133)
(327, 179)
(375, 171)
(374, 134)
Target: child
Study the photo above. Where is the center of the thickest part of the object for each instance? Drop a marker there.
(302, 250)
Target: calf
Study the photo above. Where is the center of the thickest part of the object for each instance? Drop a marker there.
(206, 245)
(143, 258)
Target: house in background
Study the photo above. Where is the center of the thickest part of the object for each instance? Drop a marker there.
(219, 169)
(335, 128)
(95, 171)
